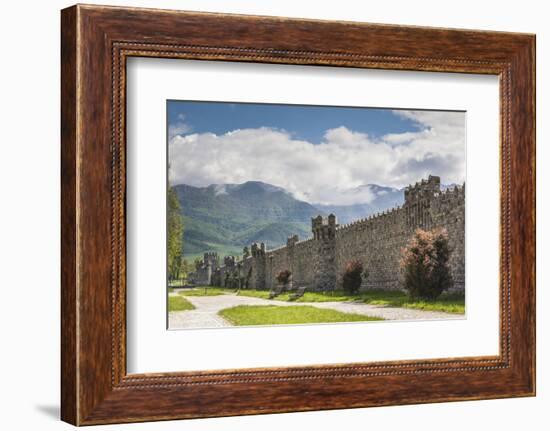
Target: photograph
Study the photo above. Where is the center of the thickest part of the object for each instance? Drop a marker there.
(283, 214)
(275, 215)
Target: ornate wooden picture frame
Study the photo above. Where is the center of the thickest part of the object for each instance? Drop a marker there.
(96, 41)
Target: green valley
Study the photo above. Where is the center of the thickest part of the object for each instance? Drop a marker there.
(226, 218)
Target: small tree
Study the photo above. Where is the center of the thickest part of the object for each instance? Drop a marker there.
(353, 273)
(185, 270)
(175, 234)
(425, 264)
(283, 277)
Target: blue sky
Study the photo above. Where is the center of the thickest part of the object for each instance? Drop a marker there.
(303, 122)
(319, 154)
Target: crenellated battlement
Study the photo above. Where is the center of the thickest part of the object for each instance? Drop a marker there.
(372, 219)
(324, 228)
(292, 240)
(424, 189)
(375, 240)
(258, 250)
(229, 261)
(211, 258)
(456, 192)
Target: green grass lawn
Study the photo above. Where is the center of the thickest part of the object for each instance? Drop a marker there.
(450, 303)
(264, 294)
(201, 291)
(177, 283)
(243, 315)
(177, 303)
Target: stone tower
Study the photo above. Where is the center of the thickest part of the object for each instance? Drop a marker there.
(324, 260)
(212, 259)
(258, 266)
(229, 261)
(418, 202)
(211, 263)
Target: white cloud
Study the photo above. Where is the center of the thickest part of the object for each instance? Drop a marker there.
(220, 189)
(330, 172)
(180, 127)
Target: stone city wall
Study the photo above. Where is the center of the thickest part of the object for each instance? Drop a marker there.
(376, 241)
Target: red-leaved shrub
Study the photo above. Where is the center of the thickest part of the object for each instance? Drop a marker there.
(283, 277)
(351, 281)
(425, 264)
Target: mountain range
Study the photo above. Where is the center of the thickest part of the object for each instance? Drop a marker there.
(226, 217)
(383, 199)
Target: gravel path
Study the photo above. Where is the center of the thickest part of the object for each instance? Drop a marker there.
(388, 313)
(205, 314)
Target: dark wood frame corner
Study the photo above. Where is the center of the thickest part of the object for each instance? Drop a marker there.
(95, 43)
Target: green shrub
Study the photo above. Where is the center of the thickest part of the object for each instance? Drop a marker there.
(425, 264)
(352, 276)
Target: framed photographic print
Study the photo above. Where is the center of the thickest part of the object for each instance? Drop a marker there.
(268, 215)
(334, 175)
